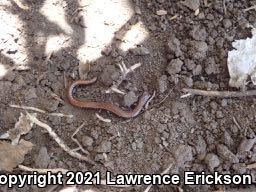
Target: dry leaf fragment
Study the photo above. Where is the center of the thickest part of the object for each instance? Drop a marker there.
(13, 155)
(22, 127)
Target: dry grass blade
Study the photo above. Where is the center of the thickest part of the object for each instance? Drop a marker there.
(219, 93)
(43, 171)
(40, 111)
(59, 140)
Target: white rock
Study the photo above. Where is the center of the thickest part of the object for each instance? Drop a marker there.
(242, 61)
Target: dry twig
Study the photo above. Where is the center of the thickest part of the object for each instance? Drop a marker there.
(219, 93)
(124, 71)
(40, 111)
(77, 142)
(102, 118)
(251, 166)
(59, 140)
(250, 8)
(43, 171)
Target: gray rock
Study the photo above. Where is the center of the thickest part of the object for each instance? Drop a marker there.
(197, 70)
(226, 137)
(211, 67)
(212, 161)
(104, 147)
(10, 76)
(240, 168)
(200, 146)
(51, 104)
(87, 141)
(183, 154)
(174, 46)
(198, 49)
(188, 81)
(106, 51)
(130, 98)
(109, 74)
(227, 23)
(163, 83)
(43, 158)
(174, 66)
(160, 1)
(190, 64)
(140, 51)
(198, 33)
(246, 145)
(219, 114)
(31, 94)
(214, 105)
(226, 154)
(95, 134)
(224, 102)
(191, 4)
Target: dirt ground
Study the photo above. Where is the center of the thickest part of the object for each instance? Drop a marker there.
(179, 45)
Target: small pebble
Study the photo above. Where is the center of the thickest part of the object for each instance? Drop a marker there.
(104, 147)
(174, 66)
(183, 154)
(212, 161)
(246, 145)
(141, 51)
(163, 83)
(87, 141)
(43, 158)
(226, 154)
(130, 98)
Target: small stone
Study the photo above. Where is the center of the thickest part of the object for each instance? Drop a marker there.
(226, 154)
(224, 102)
(227, 23)
(200, 146)
(43, 158)
(109, 74)
(188, 81)
(213, 105)
(163, 83)
(49, 105)
(130, 98)
(160, 1)
(137, 10)
(212, 161)
(30, 94)
(191, 4)
(10, 76)
(106, 51)
(240, 168)
(198, 49)
(134, 147)
(20, 81)
(198, 33)
(95, 134)
(183, 154)
(140, 51)
(211, 66)
(161, 12)
(228, 141)
(197, 70)
(87, 141)
(246, 145)
(174, 66)
(165, 143)
(219, 114)
(104, 147)
(174, 46)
